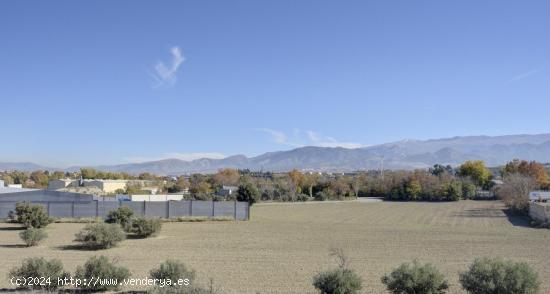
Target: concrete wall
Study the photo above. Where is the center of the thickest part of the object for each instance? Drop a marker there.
(158, 209)
(540, 211)
(156, 197)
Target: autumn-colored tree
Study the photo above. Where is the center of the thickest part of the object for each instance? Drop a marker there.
(40, 178)
(531, 169)
(477, 171)
(198, 184)
(297, 179)
(358, 182)
(309, 181)
(340, 187)
(227, 176)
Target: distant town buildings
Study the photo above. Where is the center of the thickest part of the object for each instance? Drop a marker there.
(105, 186)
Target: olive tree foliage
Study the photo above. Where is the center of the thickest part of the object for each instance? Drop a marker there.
(412, 278)
(173, 270)
(100, 235)
(122, 216)
(498, 276)
(32, 215)
(341, 280)
(101, 268)
(33, 236)
(39, 267)
(144, 228)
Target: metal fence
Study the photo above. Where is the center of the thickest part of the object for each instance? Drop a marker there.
(151, 209)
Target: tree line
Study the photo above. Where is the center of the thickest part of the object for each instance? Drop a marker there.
(439, 183)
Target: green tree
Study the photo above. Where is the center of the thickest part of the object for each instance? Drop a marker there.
(413, 278)
(498, 276)
(413, 189)
(248, 192)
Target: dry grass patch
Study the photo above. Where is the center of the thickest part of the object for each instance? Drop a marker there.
(284, 246)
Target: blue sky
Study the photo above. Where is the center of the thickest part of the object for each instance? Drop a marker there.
(102, 82)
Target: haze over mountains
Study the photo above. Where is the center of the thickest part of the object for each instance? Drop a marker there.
(405, 154)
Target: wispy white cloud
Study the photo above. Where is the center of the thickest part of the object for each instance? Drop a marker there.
(175, 155)
(524, 75)
(166, 75)
(278, 137)
(306, 138)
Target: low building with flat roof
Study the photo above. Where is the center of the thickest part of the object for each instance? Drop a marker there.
(62, 183)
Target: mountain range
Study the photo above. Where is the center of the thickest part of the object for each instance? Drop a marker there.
(405, 154)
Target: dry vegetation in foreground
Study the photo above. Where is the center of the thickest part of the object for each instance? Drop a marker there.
(284, 246)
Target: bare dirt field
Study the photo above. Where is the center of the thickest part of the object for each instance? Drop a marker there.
(283, 246)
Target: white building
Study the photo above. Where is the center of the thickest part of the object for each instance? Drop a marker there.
(158, 197)
(539, 195)
(228, 190)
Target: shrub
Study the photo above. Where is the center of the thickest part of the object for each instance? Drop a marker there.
(248, 192)
(50, 270)
(122, 216)
(144, 228)
(302, 197)
(202, 196)
(337, 281)
(341, 280)
(100, 235)
(32, 216)
(321, 196)
(415, 278)
(172, 270)
(218, 198)
(498, 276)
(101, 268)
(32, 236)
(185, 290)
(453, 191)
(468, 190)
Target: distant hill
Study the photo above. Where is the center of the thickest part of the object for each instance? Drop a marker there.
(23, 166)
(406, 154)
